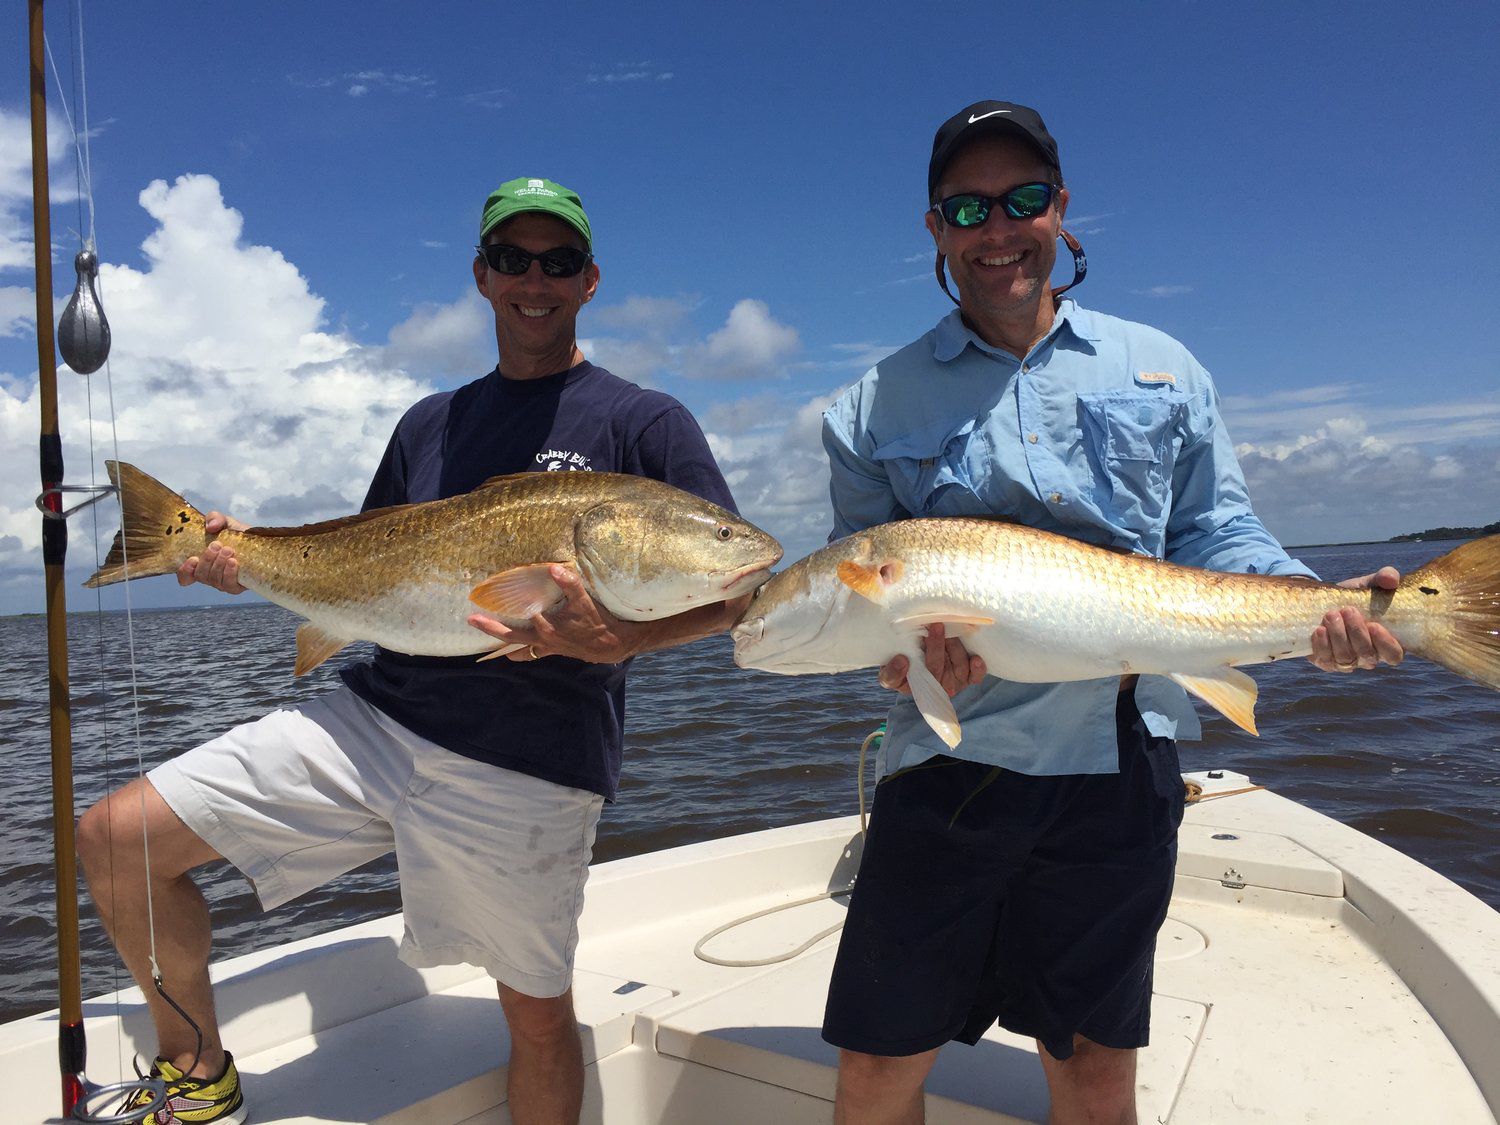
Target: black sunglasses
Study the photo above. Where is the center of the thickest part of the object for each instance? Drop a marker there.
(560, 261)
(1025, 201)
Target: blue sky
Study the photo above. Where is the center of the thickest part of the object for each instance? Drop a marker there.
(287, 193)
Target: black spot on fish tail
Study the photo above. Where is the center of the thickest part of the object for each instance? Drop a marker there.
(1427, 589)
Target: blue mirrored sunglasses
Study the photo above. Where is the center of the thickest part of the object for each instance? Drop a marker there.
(1024, 201)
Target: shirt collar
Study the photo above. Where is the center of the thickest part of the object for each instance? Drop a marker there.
(952, 335)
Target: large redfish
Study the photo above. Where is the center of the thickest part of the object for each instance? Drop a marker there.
(408, 577)
(1042, 608)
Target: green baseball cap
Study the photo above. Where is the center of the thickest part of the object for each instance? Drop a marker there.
(515, 197)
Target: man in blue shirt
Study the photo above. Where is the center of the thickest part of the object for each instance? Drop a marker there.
(486, 778)
(1038, 904)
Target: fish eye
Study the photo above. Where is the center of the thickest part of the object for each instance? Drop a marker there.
(757, 593)
(725, 532)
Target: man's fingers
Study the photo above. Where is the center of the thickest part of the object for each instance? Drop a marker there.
(1387, 647)
(1360, 644)
(935, 651)
(893, 674)
(569, 580)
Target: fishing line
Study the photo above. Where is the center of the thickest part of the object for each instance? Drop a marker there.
(83, 170)
(82, 166)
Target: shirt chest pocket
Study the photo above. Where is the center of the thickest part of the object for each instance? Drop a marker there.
(1130, 437)
(1123, 426)
(929, 473)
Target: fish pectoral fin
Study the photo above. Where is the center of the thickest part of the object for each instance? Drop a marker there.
(1228, 691)
(964, 623)
(314, 646)
(497, 652)
(933, 702)
(869, 580)
(518, 593)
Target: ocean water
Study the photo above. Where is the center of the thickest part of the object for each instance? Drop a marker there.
(1410, 755)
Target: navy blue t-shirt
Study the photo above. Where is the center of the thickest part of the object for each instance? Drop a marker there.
(557, 718)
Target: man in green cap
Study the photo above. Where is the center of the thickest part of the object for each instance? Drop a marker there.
(516, 756)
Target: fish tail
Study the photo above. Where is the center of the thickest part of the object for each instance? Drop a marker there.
(1463, 632)
(159, 529)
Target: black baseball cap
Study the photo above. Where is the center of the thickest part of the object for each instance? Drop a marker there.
(986, 119)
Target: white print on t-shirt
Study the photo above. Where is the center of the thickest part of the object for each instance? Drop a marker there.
(559, 460)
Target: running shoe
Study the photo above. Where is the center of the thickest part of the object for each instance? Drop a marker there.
(194, 1100)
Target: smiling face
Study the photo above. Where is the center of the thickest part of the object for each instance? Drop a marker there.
(1003, 267)
(536, 316)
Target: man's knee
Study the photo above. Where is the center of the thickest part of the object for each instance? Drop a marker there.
(110, 836)
(1097, 1080)
(539, 1019)
(883, 1074)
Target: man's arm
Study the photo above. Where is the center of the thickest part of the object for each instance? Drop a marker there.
(1212, 525)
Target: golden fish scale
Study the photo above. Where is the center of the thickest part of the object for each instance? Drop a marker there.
(515, 522)
(1132, 599)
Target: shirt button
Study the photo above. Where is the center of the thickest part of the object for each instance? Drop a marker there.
(1025, 368)
(1056, 498)
(1031, 438)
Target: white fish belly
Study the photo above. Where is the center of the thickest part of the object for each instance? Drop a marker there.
(420, 619)
(1052, 627)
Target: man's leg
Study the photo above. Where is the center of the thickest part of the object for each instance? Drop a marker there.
(545, 1079)
(881, 1089)
(112, 852)
(1096, 1086)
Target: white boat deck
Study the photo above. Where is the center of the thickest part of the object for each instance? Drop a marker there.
(1341, 982)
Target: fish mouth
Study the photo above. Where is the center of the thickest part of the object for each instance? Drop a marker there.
(739, 581)
(746, 635)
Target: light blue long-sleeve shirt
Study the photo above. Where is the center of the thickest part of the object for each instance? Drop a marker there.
(1106, 431)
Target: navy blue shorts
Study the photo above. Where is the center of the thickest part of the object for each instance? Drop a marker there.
(1037, 907)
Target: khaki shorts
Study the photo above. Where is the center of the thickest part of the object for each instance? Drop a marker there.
(492, 862)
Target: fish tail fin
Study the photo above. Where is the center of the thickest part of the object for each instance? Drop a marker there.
(159, 529)
(1463, 635)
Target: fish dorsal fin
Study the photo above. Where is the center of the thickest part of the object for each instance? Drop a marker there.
(315, 645)
(871, 581)
(1227, 690)
(326, 526)
(933, 701)
(518, 593)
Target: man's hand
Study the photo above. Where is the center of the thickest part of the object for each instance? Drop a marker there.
(947, 660)
(577, 626)
(217, 566)
(1347, 640)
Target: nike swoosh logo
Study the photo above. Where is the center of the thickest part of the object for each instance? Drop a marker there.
(982, 116)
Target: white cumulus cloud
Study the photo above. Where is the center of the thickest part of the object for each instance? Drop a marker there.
(226, 382)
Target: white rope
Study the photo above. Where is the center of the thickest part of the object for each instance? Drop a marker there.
(776, 959)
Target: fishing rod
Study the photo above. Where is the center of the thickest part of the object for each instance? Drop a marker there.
(84, 340)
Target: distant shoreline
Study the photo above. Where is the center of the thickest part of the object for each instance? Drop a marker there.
(1458, 535)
